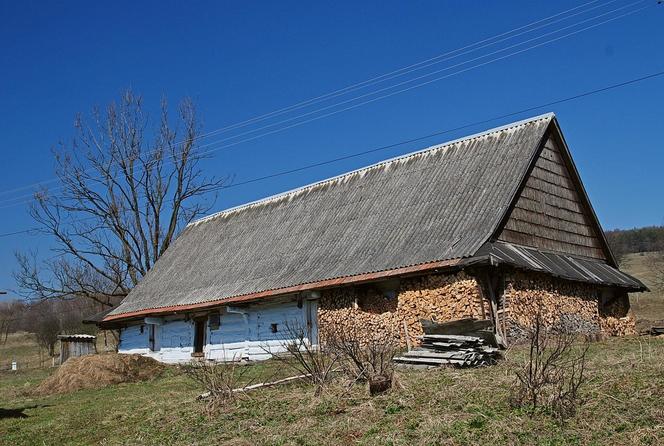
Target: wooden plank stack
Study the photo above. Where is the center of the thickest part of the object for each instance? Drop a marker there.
(471, 347)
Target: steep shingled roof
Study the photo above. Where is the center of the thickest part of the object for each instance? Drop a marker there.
(437, 204)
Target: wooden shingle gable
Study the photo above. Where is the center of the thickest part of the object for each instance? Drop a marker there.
(551, 210)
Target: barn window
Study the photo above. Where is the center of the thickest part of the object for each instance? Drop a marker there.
(215, 321)
(142, 329)
(274, 328)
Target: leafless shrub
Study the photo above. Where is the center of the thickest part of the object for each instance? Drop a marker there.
(223, 382)
(552, 374)
(305, 358)
(364, 355)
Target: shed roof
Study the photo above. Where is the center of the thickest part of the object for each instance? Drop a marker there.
(77, 337)
(425, 209)
(565, 266)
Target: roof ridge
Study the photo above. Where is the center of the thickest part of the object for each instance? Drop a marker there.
(305, 187)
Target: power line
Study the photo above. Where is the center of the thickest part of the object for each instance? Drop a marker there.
(419, 65)
(434, 72)
(390, 75)
(485, 121)
(413, 86)
(420, 138)
(27, 198)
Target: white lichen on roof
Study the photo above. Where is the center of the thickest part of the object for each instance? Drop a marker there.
(384, 164)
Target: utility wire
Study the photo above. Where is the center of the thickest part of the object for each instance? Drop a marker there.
(334, 112)
(420, 138)
(382, 78)
(28, 198)
(313, 112)
(442, 132)
(417, 66)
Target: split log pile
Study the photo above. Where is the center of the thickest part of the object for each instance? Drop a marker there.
(616, 319)
(473, 346)
(564, 306)
(437, 297)
(441, 298)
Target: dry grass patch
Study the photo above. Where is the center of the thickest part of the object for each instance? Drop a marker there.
(623, 406)
(96, 371)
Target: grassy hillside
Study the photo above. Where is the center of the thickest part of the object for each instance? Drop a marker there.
(446, 406)
(21, 347)
(623, 404)
(648, 307)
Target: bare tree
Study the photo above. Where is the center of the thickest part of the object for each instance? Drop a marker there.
(13, 318)
(125, 191)
(47, 326)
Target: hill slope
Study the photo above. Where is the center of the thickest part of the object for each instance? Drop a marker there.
(649, 306)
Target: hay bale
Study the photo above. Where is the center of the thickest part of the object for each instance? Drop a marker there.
(96, 371)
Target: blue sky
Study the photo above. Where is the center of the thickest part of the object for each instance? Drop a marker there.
(242, 59)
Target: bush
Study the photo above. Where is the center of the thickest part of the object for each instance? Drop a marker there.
(304, 358)
(223, 382)
(363, 355)
(552, 373)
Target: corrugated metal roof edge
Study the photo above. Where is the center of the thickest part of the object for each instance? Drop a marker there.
(299, 189)
(310, 286)
(495, 261)
(346, 280)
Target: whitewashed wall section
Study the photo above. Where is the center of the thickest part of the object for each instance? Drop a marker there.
(243, 333)
(173, 340)
(134, 340)
(247, 332)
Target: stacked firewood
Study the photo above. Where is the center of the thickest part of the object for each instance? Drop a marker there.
(618, 326)
(441, 298)
(437, 297)
(562, 305)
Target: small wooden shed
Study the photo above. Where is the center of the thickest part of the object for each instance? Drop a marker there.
(74, 345)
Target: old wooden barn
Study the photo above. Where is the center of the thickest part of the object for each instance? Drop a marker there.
(490, 226)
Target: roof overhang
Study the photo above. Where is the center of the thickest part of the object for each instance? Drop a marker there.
(492, 254)
(322, 284)
(563, 266)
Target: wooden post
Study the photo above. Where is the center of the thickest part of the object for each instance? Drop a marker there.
(493, 298)
(405, 330)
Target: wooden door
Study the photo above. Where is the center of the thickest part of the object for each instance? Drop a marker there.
(199, 336)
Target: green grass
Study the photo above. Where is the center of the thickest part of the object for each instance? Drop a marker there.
(20, 347)
(648, 306)
(447, 406)
(624, 404)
